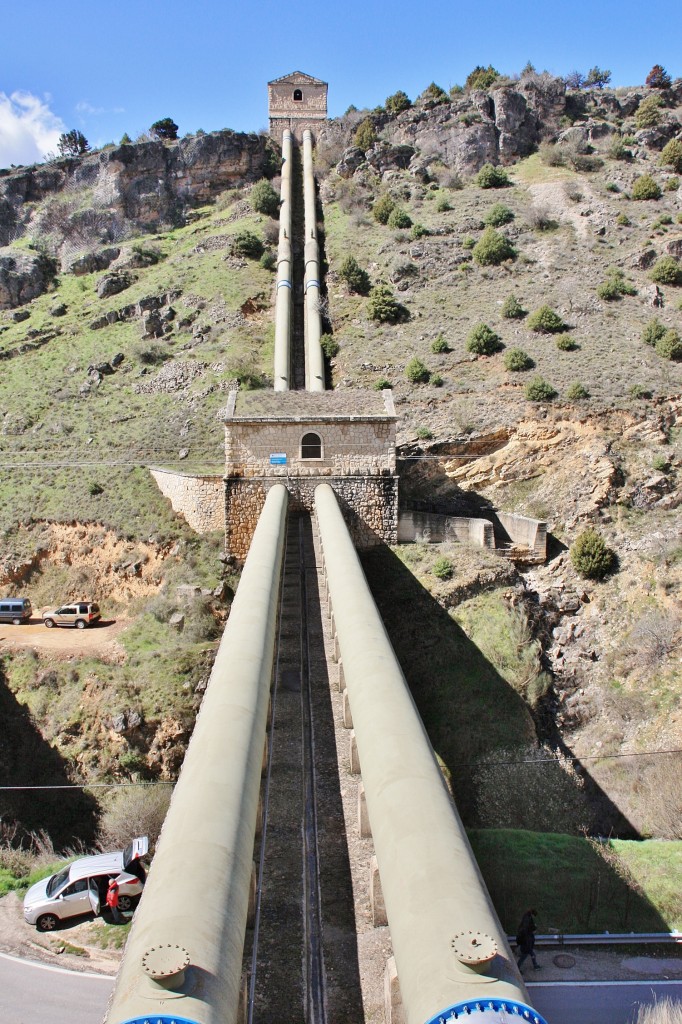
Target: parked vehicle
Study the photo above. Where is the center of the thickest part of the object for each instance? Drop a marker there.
(79, 614)
(81, 887)
(15, 610)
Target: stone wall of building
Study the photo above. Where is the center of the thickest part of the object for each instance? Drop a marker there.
(369, 505)
(350, 447)
(200, 499)
(310, 111)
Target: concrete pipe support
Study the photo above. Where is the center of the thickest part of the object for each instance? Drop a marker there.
(283, 302)
(183, 959)
(450, 949)
(314, 360)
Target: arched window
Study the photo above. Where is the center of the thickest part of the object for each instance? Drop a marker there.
(311, 446)
(298, 95)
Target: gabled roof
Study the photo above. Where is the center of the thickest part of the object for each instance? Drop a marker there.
(297, 78)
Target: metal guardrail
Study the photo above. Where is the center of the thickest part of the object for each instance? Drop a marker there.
(605, 939)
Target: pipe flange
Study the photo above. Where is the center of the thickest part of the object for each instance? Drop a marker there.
(473, 948)
(166, 962)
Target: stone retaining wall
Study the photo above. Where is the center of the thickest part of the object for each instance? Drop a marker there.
(369, 505)
(200, 499)
(429, 527)
(526, 533)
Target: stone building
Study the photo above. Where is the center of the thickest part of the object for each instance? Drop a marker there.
(296, 101)
(302, 439)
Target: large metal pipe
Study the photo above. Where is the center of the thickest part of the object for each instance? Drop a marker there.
(283, 302)
(183, 959)
(313, 320)
(450, 949)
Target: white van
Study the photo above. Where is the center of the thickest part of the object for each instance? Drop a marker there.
(15, 610)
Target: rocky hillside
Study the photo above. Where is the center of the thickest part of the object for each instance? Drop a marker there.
(132, 303)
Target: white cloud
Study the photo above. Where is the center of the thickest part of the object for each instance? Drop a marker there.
(28, 128)
(83, 107)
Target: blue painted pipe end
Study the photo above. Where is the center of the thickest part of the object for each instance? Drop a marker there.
(164, 1018)
(498, 1011)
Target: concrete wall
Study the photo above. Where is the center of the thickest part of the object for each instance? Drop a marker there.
(200, 499)
(354, 447)
(429, 527)
(524, 532)
(369, 505)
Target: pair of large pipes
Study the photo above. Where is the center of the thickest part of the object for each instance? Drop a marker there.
(451, 954)
(183, 959)
(314, 370)
(283, 301)
(314, 360)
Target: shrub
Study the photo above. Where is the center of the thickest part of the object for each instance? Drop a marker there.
(433, 94)
(418, 231)
(268, 260)
(539, 218)
(72, 143)
(355, 278)
(597, 78)
(623, 220)
(577, 391)
(416, 372)
(545, 321)
(658, 78)
(660, 463)
(617, 150)
(133, 812)
(365, 135)
(667, 271)
(437, 380)
(439, 345)
(565, 343)
(329, 345)
(483, 341)
(165, 129)
(611, 186)
(398, 102)
(382, 384)
(399, 218)
(246, 244)
(498, 214)
(649, 112)
(516, 360)
(468, 242)
(512, 308)
(264, 199)
(442, 568)
(492, 249)
(481, 78)
(645, 188)
(539, 390)
(615, 286)
(443, 204)
(492, 177)
(384, 307)
(663, 221)
(670, 346)
(590, 556)
(653, 331)
(671, 155)
(637, 391)
(672, 184)
(424, 434)
(383, 208)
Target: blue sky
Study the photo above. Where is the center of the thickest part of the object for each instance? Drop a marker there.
(111, 68)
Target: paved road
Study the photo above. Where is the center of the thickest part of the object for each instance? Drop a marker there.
(34, 992)
(600, 1002)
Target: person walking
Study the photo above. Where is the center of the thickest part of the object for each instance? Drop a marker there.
(525, 938)
(112, 901)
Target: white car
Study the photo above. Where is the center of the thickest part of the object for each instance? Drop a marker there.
(81, 887)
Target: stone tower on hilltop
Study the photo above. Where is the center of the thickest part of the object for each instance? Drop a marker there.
(296, 101)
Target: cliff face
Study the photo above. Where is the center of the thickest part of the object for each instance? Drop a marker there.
(139, 187)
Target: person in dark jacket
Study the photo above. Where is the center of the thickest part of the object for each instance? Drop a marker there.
(525, 938)
(112, 901)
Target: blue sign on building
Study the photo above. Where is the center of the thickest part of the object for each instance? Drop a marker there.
(278, 459)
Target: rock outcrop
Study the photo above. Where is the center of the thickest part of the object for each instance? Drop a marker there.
(24, 275)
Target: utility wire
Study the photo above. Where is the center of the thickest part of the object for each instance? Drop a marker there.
(462, 764)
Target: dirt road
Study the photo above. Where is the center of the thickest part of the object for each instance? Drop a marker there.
(99, 640)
